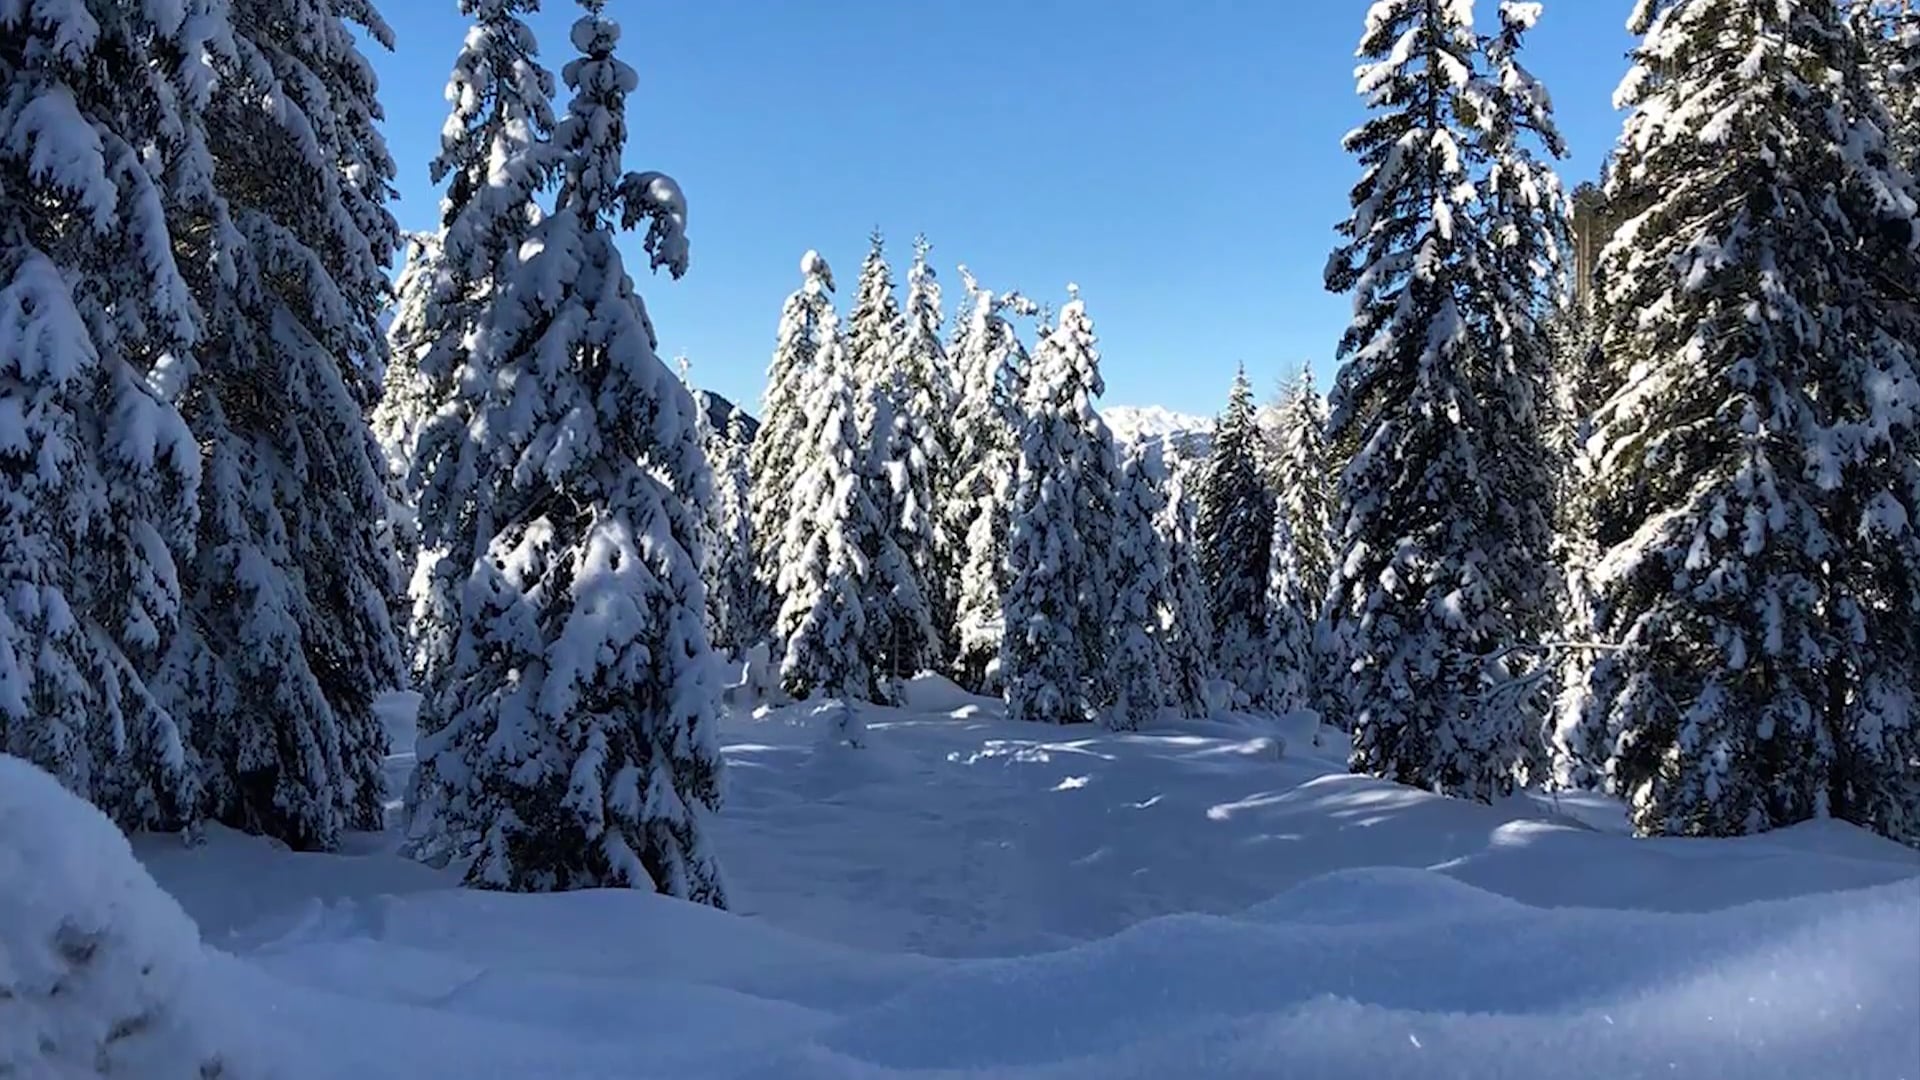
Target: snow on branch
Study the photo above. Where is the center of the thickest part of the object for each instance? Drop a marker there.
(657, 197)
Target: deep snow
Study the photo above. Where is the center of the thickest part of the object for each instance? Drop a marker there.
(965, 896)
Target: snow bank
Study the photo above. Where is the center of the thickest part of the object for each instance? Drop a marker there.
(1421, 976)
(101, 973)
(966, 896)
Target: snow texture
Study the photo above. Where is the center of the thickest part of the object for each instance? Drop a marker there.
(101, 973)
(954, 898)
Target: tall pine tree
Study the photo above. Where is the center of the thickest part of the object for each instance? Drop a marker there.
(1756, 462)
(1139, 573)
(1526, 224)
(780, 444)
(495, 159)
(288, 635)
(825, 561)
(1420, 600)
(572, 743)
(979, 486)
(1183, 605)
(105, 219)
(915, 456)
(894, 477)
(1061, 533)
(1235, 533)
(1301, 479)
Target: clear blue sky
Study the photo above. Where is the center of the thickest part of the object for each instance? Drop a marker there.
(1180, 161)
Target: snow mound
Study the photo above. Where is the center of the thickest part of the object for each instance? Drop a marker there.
(1435, 978)
(931, 693)
(101, 973)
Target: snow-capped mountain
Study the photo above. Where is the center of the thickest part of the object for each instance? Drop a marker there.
(1183, 437)
(1130, 423)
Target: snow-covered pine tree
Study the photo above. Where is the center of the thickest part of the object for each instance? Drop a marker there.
(1235, 532)
(1889, 32)
(1138, 571)
(1290, 657)
(899, 609)
(915, 456)
(1757, 461)
(826, 572)
(977, 492)
(575, 744)
(105, 216)
(1061, 534)
(1526, 223)
(874, 330)
(495, 160)
(1301, 479)
(1413, 613)
(729, 536)
(288, 634)
(779, 447)
(1183, 605)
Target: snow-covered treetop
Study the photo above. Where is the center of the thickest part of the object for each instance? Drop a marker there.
(813, 267)
(593, 135)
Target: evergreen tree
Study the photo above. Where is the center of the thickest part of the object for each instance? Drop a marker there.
(494, 160)
(1756, 463)
(729, 536)
(1302, 485)
(1187, 619)
(1291, 672)
(915, 456)
(1235, 533)
(1061, 534)
(780, 447)
(572, 741)
(979, 488)
(288, 635)
(1415, 609)
(1139, 577)
(105, 218)
(1889, 33)
(1526, 223)
(893, 472)
(826, 572)
(874, 332)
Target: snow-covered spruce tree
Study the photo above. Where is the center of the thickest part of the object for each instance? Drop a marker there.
(494, 161)
(1301, 479)
(826, 571)
(1414, 610)
(1061, 533)
(779, 447)
(729, 538)
(288, 634)
(1138, 570)
(574, 745)
(1889, 34)
(914, 457)
(1526, 225)
(1184, 606)
(978, 488)
(1291, 673)
(1235, 533)
(1753, 497)
(105, 214)
(899, 609)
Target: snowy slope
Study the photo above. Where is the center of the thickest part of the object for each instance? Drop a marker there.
(965, 896)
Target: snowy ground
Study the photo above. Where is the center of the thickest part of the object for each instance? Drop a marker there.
(964, 896)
